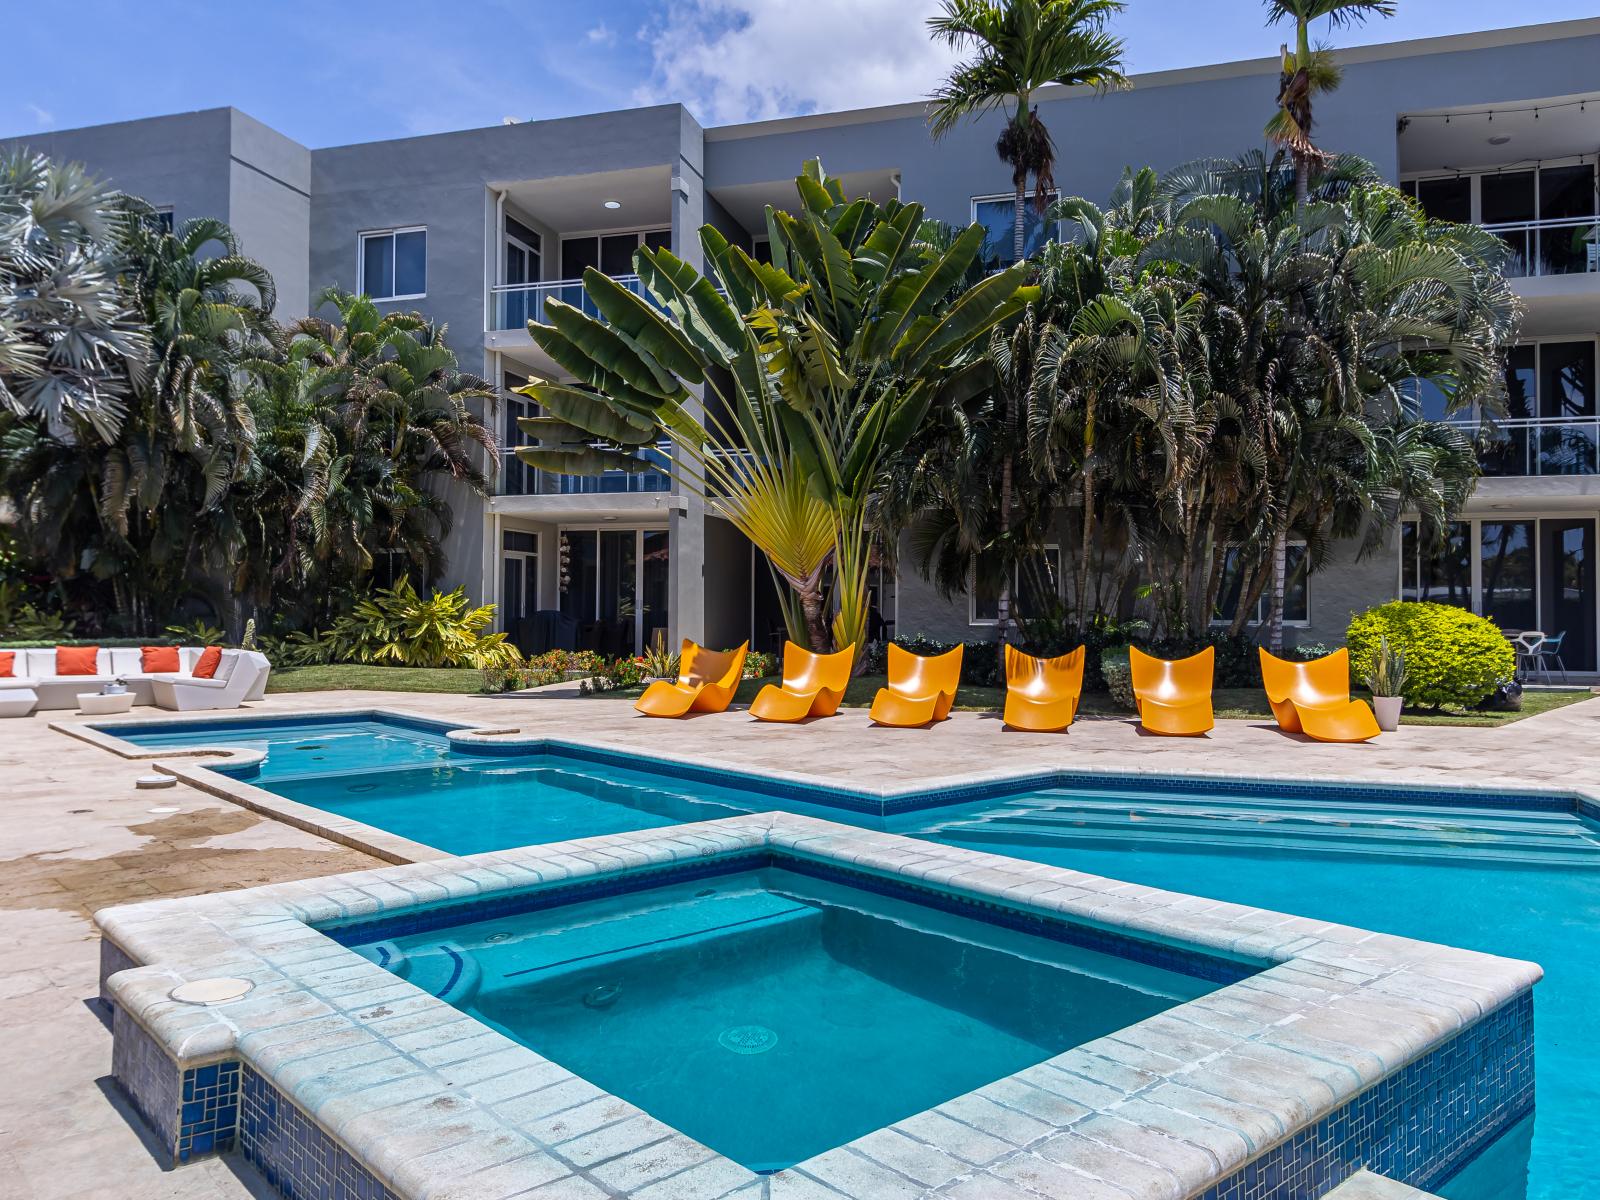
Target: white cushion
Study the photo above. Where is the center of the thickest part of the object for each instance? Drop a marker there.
(125, 660)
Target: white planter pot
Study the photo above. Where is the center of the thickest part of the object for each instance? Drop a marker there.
(1387, 710)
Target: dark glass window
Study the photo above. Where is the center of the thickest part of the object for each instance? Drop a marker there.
(1507, 198)
(578, 255)
(394, 264)
(1296, 590)
(998, 218)
(1506, 553)
(1437, 569)
(1446, 199)
(1565, 193)
(1566, 379)
(616, 253)
(659, 239)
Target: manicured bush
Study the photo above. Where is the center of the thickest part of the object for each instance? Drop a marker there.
(1453, 657)
(1118, 675)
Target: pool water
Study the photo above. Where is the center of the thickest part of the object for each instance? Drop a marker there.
(773, 1016)
(1518, 883)
(299, 748)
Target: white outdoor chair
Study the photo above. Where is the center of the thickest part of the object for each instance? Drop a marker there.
(1527, 644)
(240, 676)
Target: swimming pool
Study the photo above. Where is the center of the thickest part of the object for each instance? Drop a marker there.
(1520, 878)
(742, 1009)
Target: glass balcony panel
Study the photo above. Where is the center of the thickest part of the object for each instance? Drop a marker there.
(515, 304)
(1540, 447)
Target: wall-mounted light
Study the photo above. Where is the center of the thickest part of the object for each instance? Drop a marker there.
(612, 204)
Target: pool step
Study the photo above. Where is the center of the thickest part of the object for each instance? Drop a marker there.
(447, 971)
(1527, 838)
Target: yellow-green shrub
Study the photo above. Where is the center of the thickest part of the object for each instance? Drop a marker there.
(1453, 657)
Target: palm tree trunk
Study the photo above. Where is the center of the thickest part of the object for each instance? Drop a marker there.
(1088, 511)
(1280, 562)
(811, 604)
(1302, 180)
(1019, 221)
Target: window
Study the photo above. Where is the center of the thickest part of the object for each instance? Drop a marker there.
(164, 218)
(1033, 588)
(394, 264)
(519, 581)
(1296, 589)
(997, 215)
(517, 478)
(1436, 568)
(610, 252)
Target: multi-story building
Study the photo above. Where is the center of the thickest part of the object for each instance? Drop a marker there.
(479, 228)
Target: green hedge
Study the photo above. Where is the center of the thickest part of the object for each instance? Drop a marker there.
(107, 643)
(1454, 658)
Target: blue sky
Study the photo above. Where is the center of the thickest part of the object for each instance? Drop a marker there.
(343, 71)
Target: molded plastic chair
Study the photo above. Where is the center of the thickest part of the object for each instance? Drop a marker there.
(1042, 693)
(707, 680)
(920, 689)
(813, 685)
(1174, 695)
(1313, 698)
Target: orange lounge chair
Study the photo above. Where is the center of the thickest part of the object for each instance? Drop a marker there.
(813, 685)
(1313, 698)
(920, 689)
(1042, 693)
(1174, 696)
(707, 680)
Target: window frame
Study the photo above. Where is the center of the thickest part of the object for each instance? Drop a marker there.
(1260, 619)
(365, 235)
(1010, 197)
(1016, 588)
(598, 236)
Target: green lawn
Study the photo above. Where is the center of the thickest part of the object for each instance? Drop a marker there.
(1231, 703)
(348, 677)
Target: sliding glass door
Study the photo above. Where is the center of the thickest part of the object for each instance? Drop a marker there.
(605, 574)
(1566, 595)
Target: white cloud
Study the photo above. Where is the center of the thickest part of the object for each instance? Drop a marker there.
(43, 116)
(738, 60)
(602, 35)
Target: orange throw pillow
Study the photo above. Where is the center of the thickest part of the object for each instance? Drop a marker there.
(156, 660)
(8, 659)
(205, 666)
(76, 660)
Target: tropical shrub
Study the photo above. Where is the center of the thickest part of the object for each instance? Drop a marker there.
(1453, 658)
(1117, 672)
(395, 626)
(614, 673)
(661, 660)
(197, 633)
(758, 664)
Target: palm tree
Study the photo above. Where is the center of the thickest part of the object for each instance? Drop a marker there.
(1021, 46)
(1308, 72)
(818, 367)
(70, 339)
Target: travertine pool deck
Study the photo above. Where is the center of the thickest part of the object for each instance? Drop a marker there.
(78, 837)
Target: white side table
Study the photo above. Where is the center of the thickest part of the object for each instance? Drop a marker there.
(17, 702)
(98, 704)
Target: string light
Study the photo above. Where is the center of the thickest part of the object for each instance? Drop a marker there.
(1581, 104)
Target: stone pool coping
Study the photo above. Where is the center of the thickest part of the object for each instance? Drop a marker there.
(436, 1104)
(195, 767)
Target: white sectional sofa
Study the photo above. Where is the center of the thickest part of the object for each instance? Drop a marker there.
(241, 677)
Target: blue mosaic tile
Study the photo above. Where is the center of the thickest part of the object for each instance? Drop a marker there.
(1420, 1125)
(294, 1154)
(1188, 961)
(194, 1112)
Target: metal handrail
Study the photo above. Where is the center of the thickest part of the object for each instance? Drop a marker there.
(552, 284)
(1533, 246)
(1545, 446)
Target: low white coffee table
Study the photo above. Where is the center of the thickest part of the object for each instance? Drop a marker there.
(17, 702)
(98, 704)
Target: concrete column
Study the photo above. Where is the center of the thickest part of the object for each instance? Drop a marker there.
(687, 526)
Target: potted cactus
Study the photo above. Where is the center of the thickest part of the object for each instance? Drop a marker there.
(1387, 682)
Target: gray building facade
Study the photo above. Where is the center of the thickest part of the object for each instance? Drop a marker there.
(476, 229)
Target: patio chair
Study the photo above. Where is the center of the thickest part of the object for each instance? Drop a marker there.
(921, 690)
(1042, 694)
(707, 680)
(1174, 695)
(1313, 698)
(1548, 653)
(1529, 647)
(813, 685)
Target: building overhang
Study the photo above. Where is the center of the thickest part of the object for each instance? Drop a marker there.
(625, 509)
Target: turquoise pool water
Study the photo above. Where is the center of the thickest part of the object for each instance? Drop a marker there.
(1522, 884)
(299, 748)
(751, 1011)
(1512, 881)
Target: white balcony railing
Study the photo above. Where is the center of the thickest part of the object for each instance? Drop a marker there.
(513, 305)
(1562, 246)
(1541, 446)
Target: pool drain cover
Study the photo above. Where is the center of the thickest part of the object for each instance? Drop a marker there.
(748, 1039)
(210, 991)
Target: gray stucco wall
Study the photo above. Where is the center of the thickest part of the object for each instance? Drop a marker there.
(219, 163)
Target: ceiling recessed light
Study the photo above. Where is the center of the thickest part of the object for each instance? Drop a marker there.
(1499, 139)
(613, 204)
